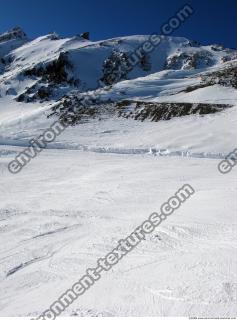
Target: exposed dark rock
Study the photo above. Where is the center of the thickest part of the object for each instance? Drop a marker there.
(193, 43)
(229, 57)
(189, 60)
(217, 47)
(85, 35)
(21, 97)
(226, 77)
(38, 91)
(145, 62)
(195, 87)
(11, 91)
(15, 33)
(50, 77)
(166, 110)
(115, 68)
(55, 71)
(73, 109)
(44, 93)
(53, 36)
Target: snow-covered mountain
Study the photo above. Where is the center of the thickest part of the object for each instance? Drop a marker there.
(49, 66)
(75, 78)
(112, 168)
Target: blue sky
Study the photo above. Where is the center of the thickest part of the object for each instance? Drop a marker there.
(214, 21)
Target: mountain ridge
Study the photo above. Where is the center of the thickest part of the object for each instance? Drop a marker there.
(78, 74)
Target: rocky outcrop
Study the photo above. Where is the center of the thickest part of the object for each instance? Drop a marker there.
(115, 68)
(10, 40)
(186, 60)
(51, 76)
(15, 33)
(39, 91)
(226, 77)
(154, 111)
(55, 72)
(145, 62)
(85, 35)
(75, 108)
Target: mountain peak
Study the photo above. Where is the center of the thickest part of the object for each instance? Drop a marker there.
(14, 33)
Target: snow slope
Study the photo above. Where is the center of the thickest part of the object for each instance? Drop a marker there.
(68, 208)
